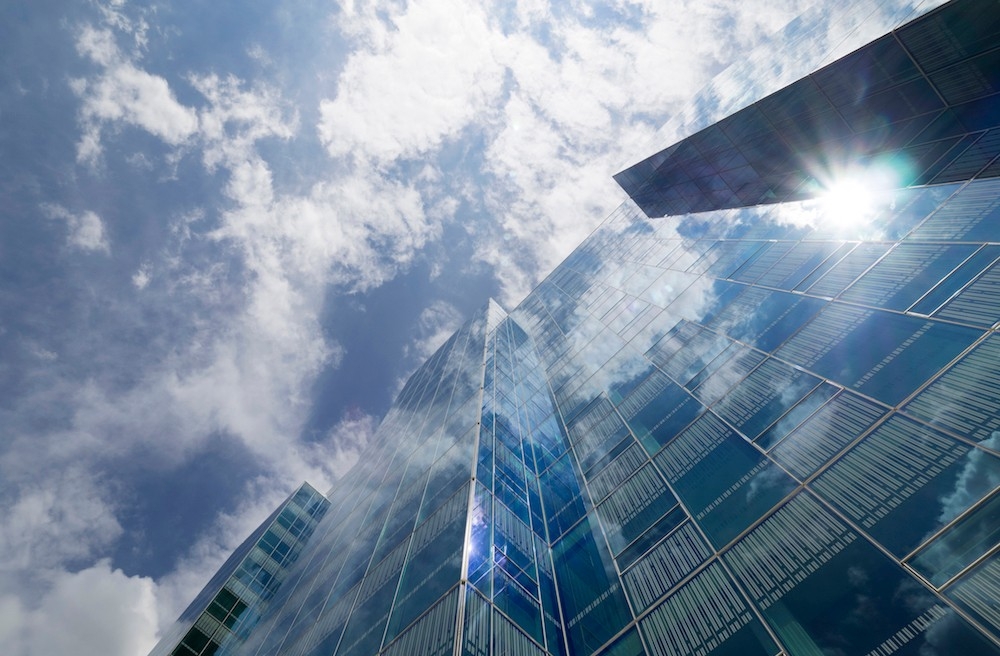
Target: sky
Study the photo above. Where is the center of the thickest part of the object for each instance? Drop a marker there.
(229, 231)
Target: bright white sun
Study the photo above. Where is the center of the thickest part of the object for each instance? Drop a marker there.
(849, 201)
(853, 199)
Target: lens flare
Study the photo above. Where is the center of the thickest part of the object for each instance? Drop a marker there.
(853, 199)
(850, 201)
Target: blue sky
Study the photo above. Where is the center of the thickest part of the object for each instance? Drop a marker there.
(229, 231)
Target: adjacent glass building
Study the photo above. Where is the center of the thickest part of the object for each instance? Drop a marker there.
(759, 423)
(233, 599)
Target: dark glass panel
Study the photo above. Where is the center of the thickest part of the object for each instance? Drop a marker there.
(848, 269)
(433, 563)
(960, 545)
(744, 124)
(711, 141)
(762, 261)
(977, 304)
(824, 589)
(768, 154)
(979, 114)
(476, 632)
(976, 593)
(561, 496)
(795, 263)
(663, 416)
(480, 540)
(934, 170)
(904, 481)
(513, 540)
(803, 98)
(905, 274)
(884, 355)
(764, 396)
(964, 398)
(433, 634)
(953, 32)
(709, 615)
(217, 611)
(909, 207)
(729, 368)
(663, 527)
(923, 159)
(517, 603)
(196, 640)
(665, 566)
(957, 279)
(371, 609)
(897, 103)
(973, 214)
(973, 160)
(593, 604)
(627, 645)
(722, 480)
(597, 474)
(868, 70)
(825, 266)
(798, 414)
(634, 507)
(686, 349)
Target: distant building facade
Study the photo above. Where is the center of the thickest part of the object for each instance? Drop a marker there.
(248, 579)
(750, 425)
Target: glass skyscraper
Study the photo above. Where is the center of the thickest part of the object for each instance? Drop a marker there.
(761, 422)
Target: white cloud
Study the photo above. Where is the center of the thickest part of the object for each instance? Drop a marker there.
(43, 354)
(236, 118)
(142, 276)
(247, 372)
(251, 362)
(56, 519)
(127, 94)
(97, 611)
(86, 230)
(421, 80)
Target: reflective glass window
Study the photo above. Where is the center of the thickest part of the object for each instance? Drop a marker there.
(904, 481)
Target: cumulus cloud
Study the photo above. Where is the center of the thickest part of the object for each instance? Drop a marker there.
(57, 519)
(86, 230)
(117, 618)
(249, 370)
(125, 93)
(423, 77)
(236, 117)
(142, 276)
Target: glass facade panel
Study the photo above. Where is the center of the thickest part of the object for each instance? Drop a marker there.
(904, 480)
(969, 539)
(814, 579)
(976, 593)
(706, 616)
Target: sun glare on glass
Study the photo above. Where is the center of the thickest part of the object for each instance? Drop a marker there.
(853, 199)
(849, 201)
